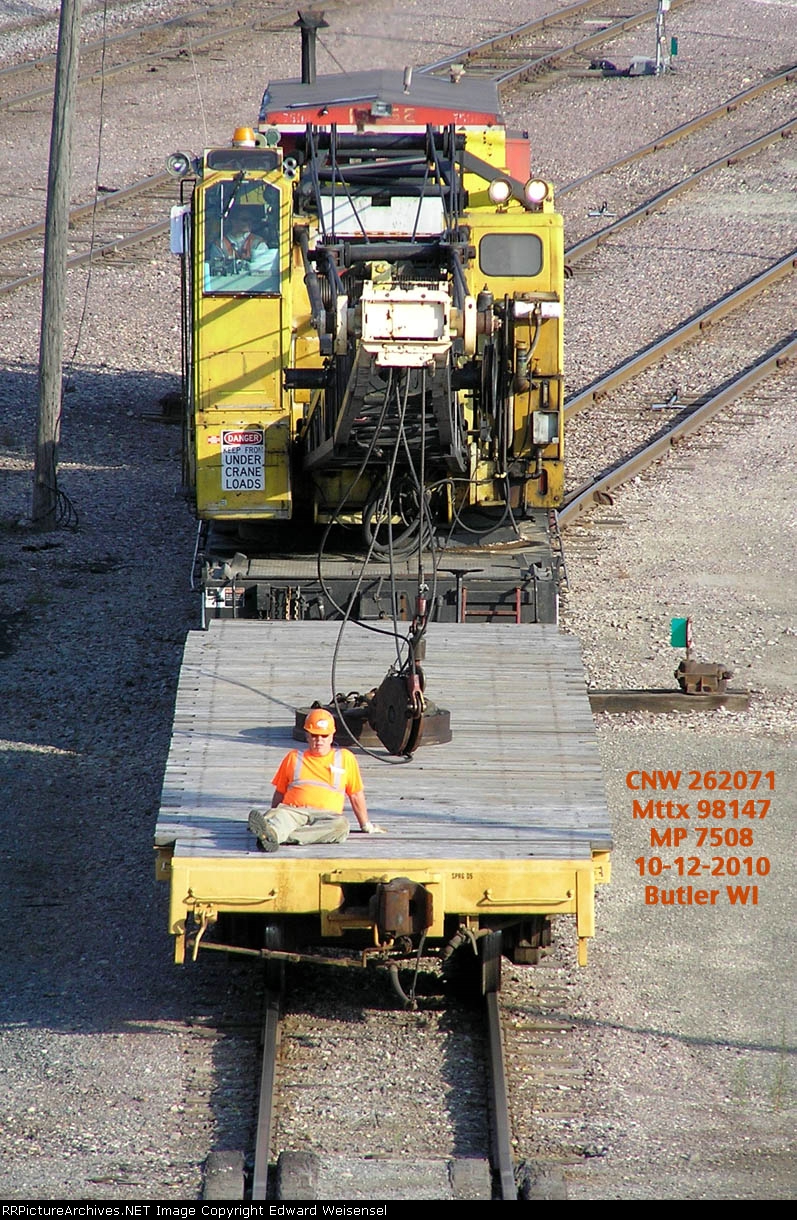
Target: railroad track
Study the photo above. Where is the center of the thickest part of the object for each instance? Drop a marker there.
(599, 488)
(691, 329)
(318, 1057)
(635, 416)
(697, 123)
(677, 383)
(99, 229)
(562, 39)
(118, 220)
(546, 1077)
(732, 157)
(113, 221)
(101, 240)
(143, 47)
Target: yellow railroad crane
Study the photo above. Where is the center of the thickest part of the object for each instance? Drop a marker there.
(373, 301)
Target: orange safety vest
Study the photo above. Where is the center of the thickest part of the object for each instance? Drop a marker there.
(337, 770)
(245, 251)
(327, 795)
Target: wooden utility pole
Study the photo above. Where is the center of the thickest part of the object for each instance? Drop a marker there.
(45, 484)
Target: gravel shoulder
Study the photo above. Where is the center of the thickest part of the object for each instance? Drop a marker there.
(117, 1068)
(687, 1010)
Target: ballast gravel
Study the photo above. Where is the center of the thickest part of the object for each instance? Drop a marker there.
(119, 1071)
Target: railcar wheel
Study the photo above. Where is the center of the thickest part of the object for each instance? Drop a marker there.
(528, 941)
(242, 931)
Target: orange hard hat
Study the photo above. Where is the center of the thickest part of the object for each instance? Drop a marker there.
(319, 720)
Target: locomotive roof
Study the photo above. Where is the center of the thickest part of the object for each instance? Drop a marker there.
(468, 101)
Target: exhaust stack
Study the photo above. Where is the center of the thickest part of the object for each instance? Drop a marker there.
(309, 23)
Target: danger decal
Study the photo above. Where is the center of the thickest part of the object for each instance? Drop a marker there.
(243, 459)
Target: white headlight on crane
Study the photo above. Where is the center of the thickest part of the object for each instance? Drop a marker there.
(179, 165)
(499, 190)
(536, 190)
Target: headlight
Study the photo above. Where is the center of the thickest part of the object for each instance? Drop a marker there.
(179, 165)
(499, 190)
(536, 191)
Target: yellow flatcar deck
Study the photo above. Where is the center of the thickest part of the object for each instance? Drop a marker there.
(515, 799)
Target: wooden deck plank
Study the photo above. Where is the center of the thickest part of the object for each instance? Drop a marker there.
(521, 776)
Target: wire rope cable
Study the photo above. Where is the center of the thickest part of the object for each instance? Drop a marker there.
(402, 404)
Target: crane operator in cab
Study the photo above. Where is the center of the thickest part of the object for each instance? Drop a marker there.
(244, 245)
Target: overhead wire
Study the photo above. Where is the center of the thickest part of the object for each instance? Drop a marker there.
(324, 47)
(198, 91)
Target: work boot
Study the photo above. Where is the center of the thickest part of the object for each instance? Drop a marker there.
(260, 826)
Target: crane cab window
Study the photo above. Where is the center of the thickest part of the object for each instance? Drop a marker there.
(510, 254)
(241, 238)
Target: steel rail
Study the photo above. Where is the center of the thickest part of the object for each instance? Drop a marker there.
(583, 44)
(588, 244)
(499, 1098)
(106, 200)
(125, 66)
(684, 129)
(532, 66)
(275, 20)
(676, 338)
(155, 181)
(78, 260)
(112, 198)
(498, 40)
(578, 250)
(99, 44)
(265, 1109)
(602, 485)
(662, 141)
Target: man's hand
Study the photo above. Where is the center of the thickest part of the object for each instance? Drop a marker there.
(370, 828)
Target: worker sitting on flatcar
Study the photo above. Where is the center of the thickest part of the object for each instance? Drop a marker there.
(309, 790)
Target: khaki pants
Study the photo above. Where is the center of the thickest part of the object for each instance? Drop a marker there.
(305, 826)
